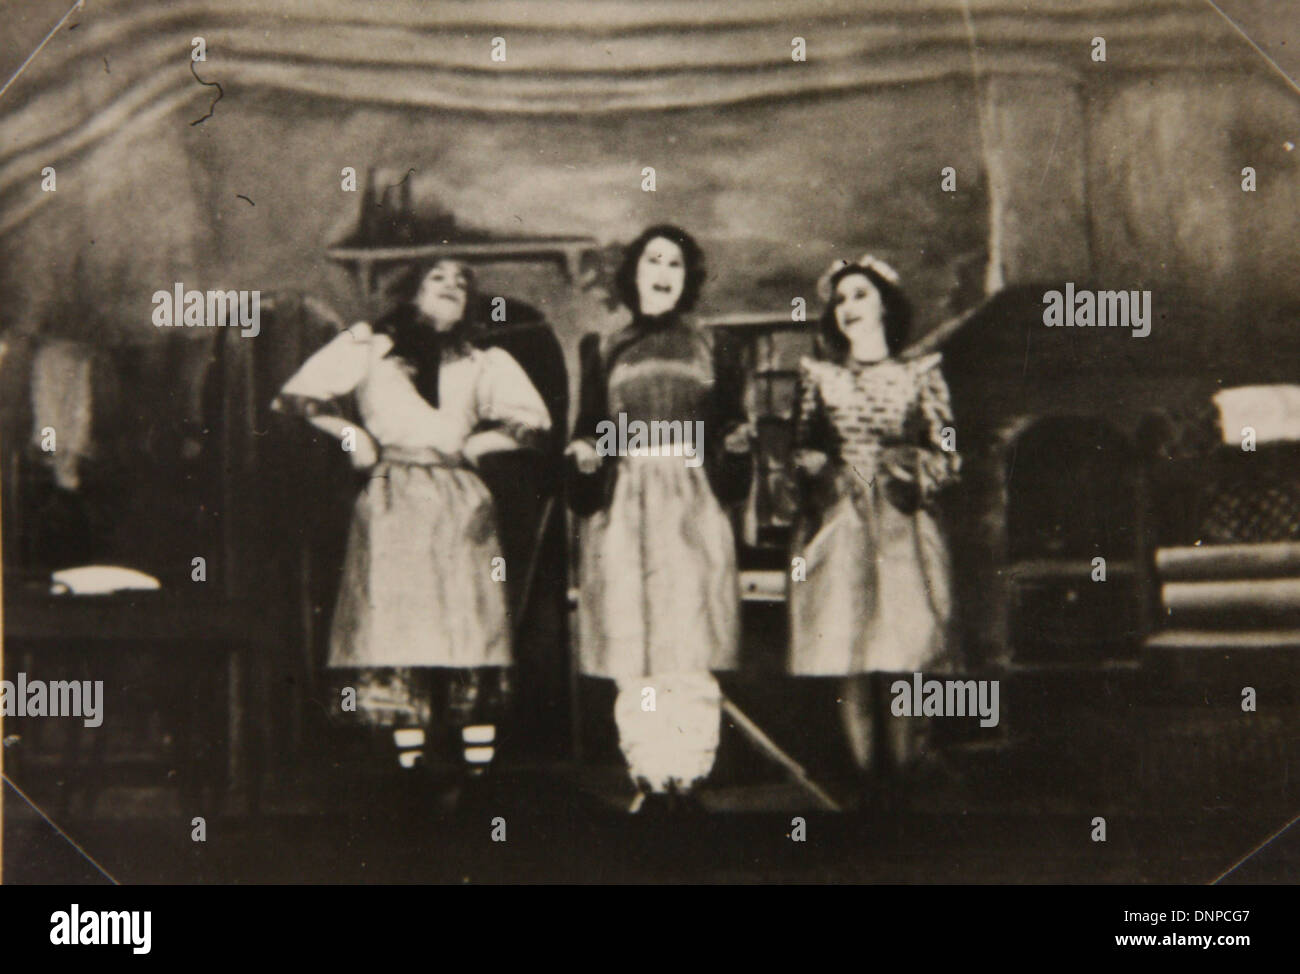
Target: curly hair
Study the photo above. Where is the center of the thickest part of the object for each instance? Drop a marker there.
(896, 314)
(400, 286)
(692, 257)
(414, 340)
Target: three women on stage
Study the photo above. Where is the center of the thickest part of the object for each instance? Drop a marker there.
(423, 621)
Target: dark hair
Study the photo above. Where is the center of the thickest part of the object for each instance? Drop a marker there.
(414, 340)
(402, 285)
(896, 314)
(692, 257)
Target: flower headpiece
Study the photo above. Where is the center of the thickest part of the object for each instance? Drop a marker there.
(866, 261)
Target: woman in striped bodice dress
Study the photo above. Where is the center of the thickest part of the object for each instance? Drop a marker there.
(870, 592)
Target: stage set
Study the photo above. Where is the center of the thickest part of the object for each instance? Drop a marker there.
(1126, 568)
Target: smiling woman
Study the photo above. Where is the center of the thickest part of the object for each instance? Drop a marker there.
(422, 588)
(870, 591)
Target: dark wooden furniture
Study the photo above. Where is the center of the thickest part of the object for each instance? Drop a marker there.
(170, 477)
(174, 712)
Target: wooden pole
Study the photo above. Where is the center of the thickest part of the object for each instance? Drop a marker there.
(770, 748)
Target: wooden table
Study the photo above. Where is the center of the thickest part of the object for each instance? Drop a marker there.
(196, 656)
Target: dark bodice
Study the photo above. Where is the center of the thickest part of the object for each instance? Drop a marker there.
(665, 375)
(660, 372)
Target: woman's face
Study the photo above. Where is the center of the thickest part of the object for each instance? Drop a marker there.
(660, 276)
(859, 313)
(443, 293)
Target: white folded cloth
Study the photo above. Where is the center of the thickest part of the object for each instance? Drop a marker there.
(100, 580)
(1272, 411)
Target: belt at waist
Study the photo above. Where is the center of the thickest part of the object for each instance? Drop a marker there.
(421, 457)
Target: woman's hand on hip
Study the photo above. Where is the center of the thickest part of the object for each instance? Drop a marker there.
(365, 451)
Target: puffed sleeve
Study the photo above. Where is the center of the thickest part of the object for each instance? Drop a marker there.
(939, 467)
(334, 371)
(505, 398)
(812, 428)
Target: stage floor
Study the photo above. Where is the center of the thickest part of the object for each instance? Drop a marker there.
(562, 824)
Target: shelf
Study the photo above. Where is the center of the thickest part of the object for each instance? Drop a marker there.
(1064, 569)
(1212, 639)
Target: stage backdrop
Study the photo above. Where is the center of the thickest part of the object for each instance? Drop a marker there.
(1126, 171)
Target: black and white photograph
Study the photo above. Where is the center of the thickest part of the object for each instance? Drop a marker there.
(848, 442)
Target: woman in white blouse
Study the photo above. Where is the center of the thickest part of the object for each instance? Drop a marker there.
(421, 613)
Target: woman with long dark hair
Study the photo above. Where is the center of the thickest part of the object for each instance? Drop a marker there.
(870, 593)
(421, 614)
(658, 601)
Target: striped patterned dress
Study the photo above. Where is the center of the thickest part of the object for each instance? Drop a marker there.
(873, 590)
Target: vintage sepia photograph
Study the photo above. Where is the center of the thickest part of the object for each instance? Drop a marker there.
(668, 442)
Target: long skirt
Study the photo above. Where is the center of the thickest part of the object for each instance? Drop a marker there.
(423, 586)
(658, 608)
(873, 592)
(658, 589)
